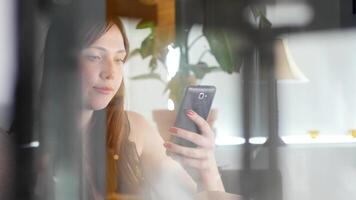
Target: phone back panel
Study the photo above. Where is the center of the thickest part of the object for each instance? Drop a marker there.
(199, 99)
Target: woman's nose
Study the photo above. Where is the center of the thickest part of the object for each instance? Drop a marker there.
(108, 70)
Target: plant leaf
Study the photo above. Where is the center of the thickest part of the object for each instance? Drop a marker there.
(153, 64)
(147, 76)
(201, 69)
(260, 12)
(162, 55)
(220, 46)
(147, 46)
(176, 87)
(145, 24)
(135, 52)
(264, 23)
(255, 12)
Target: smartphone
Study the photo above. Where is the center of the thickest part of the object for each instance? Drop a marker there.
(198, 98)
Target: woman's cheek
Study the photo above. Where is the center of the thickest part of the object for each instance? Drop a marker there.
(89, 78)
(89, 75)
(118, 79)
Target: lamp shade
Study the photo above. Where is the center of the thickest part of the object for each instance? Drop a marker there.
(286, 68)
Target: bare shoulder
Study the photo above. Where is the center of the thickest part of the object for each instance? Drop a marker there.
(136, 118)
(139, 129)
(144, 132)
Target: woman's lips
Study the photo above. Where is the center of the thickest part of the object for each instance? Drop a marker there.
(103, 90)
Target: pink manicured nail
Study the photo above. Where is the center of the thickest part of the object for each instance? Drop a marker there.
(167, 145)
(190, 113)
(173, 129)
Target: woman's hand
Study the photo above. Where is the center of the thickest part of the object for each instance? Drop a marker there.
(202, 157)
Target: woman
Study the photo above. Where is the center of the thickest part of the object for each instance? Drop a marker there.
(137, 157)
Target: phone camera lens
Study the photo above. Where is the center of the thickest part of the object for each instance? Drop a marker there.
(201, 95)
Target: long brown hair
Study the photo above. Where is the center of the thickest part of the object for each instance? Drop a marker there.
(117, 124)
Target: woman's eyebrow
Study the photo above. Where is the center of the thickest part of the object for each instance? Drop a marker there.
(105, 50)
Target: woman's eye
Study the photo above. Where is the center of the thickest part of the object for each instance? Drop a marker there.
(119, 61)
(94, 58)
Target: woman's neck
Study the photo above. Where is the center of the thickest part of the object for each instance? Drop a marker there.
(85, 120)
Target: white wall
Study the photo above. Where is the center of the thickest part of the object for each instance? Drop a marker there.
(7, 60)
(327, 102)
(142, 96)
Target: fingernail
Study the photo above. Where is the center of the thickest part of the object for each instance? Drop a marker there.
(173, 129)
(167, 145)
(190, 113)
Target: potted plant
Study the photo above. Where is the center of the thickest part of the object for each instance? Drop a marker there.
(189, 73)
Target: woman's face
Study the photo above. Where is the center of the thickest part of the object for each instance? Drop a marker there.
(102, 69)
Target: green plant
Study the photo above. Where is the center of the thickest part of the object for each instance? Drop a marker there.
(220, 46)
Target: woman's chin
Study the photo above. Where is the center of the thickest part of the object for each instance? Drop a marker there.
(99, 105)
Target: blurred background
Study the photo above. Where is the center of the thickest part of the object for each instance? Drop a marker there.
(283, 114)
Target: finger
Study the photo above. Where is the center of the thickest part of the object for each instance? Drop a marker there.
(175, 157)
(192, 137)
(168, 153)
(195, 163)
(200, 122)
(197, 153)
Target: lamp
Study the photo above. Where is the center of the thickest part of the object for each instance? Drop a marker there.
(286, 71)
(286, 68)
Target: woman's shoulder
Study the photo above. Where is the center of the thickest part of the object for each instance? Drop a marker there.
(136, 118)
(145, 135)
(139, 129)
(138, 123)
